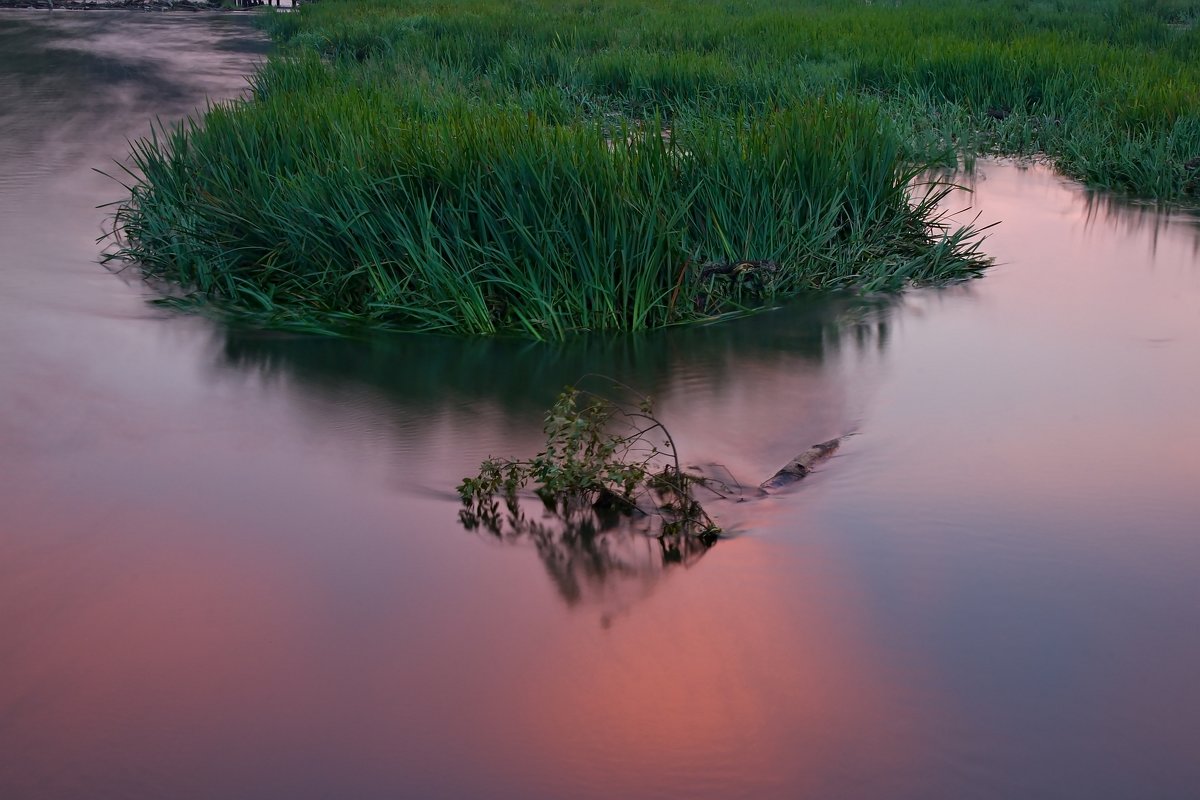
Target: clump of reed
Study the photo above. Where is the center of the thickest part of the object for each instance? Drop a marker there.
(489, 220)
(548, 167)
(1105, 88)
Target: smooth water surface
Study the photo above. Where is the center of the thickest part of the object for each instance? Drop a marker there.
(230, 563)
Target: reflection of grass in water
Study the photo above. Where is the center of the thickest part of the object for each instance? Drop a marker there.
(412, 381)
(417, 375)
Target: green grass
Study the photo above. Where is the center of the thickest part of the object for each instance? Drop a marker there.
(551, 167)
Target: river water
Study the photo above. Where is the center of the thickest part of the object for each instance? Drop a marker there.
(230, 562)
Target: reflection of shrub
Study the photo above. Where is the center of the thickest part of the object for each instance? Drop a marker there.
(602, 459)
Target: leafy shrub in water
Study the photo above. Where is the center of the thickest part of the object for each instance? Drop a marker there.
(599, 455)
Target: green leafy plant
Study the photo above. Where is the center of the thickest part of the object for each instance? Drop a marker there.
(602, 459)
(546, 168)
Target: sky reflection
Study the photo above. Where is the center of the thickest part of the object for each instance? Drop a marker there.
(230, 563)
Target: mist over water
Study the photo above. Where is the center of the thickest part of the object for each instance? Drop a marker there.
(231, 566)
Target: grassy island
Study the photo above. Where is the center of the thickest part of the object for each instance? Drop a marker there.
(550, 166)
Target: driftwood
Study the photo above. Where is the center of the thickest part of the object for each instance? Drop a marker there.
(801, 465)
(1191, 171)
(738, 268)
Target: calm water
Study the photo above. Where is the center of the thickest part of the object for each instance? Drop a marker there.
(230, 564)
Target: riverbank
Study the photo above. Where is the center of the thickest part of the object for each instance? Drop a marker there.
(546, 169)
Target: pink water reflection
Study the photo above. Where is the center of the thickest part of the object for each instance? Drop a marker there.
(230, 564)
(168, 657)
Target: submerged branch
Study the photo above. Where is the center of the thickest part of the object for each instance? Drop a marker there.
(800, 466)
(587, 477)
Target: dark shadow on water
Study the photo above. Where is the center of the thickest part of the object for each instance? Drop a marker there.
(609, 560)
(419, 374)
(591, 560)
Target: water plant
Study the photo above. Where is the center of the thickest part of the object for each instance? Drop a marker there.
(602, 460)
(544, 168)
(489, 220)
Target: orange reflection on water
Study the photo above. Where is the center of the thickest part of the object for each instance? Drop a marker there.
(120, 656)
(174, 661)
(724, 675)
